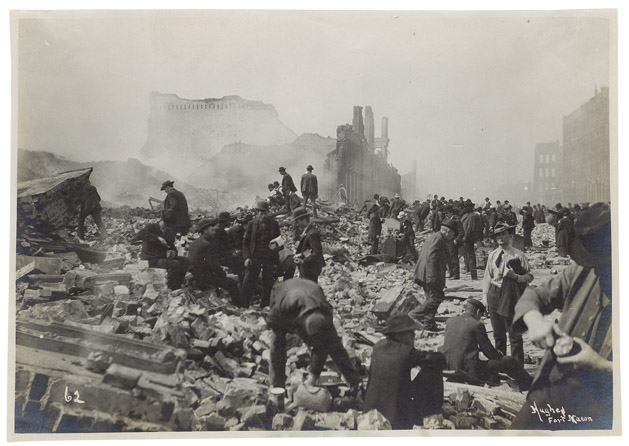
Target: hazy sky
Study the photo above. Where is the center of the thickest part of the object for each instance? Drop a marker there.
(467, 94)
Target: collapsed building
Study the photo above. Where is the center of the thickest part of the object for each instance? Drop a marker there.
(360, 161)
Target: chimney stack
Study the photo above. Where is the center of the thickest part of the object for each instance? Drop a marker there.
(357, 123)
(369, 126)
(384, 131)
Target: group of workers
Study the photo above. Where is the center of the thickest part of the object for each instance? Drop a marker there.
(579, 383)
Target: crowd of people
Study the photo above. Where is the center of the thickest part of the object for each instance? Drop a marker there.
(252, 248)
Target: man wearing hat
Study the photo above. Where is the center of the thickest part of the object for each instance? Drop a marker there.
(581, 382)
(452, 249)
(430, 274)
(510, 217)
(158, 247)
(309, 189)
(528, 223)
(397, 205)
(258, 255)
(499, 296)
(390, 390)
(205, 260)
(564, 232)
(374, 214)
(176, 201)
(287, 185)
(300, 305)
(466, 338)
(472, 233)
(309, 253)
(406, 229)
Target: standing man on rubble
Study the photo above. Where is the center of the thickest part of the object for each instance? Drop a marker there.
(466, 337)
(390, 390)
(309, 189)
(158, 247)
(579, 380)
(375, 227)
(205, 260)
(506, 267)
(287, 185)
(528, 223)
(176, 201)
(452, 248)
(309, 254)
(258, 255)
(397, 206)
(406, 229)
(472, 232)
(300, 305)
(90, 205)
(430, 274)
(226, 255)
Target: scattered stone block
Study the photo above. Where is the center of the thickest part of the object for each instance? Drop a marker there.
(373, 420)
(120, 376)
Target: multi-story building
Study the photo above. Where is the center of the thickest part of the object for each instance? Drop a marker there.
(586, 151)
(546, 188)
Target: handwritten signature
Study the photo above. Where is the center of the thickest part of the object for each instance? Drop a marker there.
(555, 415)
(68, 397)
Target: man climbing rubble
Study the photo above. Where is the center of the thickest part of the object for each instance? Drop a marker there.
(466, 337)
(158, 247)
(288, 186)
(258, 255)
(578, 380)
(390, 389)
(300, 305)
(205, 260)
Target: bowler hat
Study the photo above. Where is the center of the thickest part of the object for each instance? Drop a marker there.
(262, 205)
(281, 169)
(400, 323)
(449, 223)
(592, 244)
(309, 167)
(224, 217)
(167, 183)
(500, 228)
(299, 213)
(476, 304)
(202, 224)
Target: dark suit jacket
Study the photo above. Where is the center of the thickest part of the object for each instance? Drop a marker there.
(291, 300)
(312, 240)
(375, 222)
(431, 266)
(309, 184)
(465, 337)
(472, 226)
(260, 231)
(287, 184)
(176, 201)
(151, 247)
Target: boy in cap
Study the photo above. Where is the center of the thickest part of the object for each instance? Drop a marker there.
(390, 389)
(309, 189)
(582, 382)
(500, 273)
(258, 255)
(309, 251)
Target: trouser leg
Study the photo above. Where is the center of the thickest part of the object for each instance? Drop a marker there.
(249, 281)
(229, 285)
(427, 393)
(425, 312)
(175, 271)
(268, 279)
(99, 223)
(470, 257)
(517, 344)
(277, 367)
(510, 366)
(499, 326)
(374, 246)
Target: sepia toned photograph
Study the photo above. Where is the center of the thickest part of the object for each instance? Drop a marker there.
(302, 223)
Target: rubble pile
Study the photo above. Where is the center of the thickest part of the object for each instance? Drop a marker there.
(222, 351)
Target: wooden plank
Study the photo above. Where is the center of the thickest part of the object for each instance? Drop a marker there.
(48, 265)
(28, 268)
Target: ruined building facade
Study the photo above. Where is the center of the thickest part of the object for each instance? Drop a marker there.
(547, 173)
(359, 162)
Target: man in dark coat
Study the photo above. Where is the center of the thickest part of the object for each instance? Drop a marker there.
(580, 382)
(510, 217)
(158, 247)
(408, 235)
(422, 214)
(205, 260)
(177, 202)
(309, 252)
(375, 227)
(564, 232)
(258, 255)
(430, 273)
(90, 205)
(287, 184)
(390, 390)
(397, 206)
(466, 337)
(528, 223)
(309, 189)
(228, 254)
(540, 217)
(452, 249)
(473, 232)
(300, 305)
(294, 201)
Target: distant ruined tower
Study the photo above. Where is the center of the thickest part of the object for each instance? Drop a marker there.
(369, 126)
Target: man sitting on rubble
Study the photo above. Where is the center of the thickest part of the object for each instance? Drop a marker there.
(466, 337)
(390, 389)
(300, 305)
(275, 196)
(158, 247)
(204, 254)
